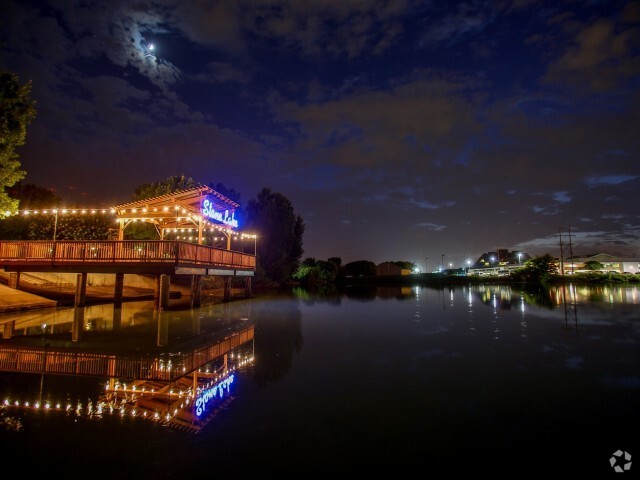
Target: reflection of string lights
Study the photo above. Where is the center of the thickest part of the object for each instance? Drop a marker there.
(121, 400)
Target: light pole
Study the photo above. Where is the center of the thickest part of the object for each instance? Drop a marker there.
(519, 257)
(55, 224)
(468, 265)
(426, 265)
(442, 263)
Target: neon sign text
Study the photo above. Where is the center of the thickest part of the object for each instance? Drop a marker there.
(209, 393)
(209, 211)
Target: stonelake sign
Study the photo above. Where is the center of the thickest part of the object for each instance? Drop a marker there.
(217, 215)
(210, 393)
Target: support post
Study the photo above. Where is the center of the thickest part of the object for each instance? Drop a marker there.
(227, 288)
(195, 383)
(247, 287)
(163, 328)
(78, 324)
(121, 229)
(7, 331)
(161, 291)
(81, 290)
(117, 318)
(118, 290)
(196, 291)
(196, 322)
(156, 291)
(14, 280)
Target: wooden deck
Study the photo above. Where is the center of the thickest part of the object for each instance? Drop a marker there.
(128, 256)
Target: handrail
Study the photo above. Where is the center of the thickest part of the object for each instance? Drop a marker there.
(122, 251)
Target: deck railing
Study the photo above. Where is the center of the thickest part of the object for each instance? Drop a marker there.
(163, 367)
(126, 251)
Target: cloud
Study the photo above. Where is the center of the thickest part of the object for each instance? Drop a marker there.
(375, 128)
(596, 181)
(561, 197)
(315, 27)
(217, 24)
(222, 72)
(434, 227)
(468, 20)
(602, 56)
(432, 206)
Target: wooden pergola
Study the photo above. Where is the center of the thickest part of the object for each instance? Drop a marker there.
(199, 209)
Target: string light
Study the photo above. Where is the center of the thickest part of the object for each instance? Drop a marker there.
(133, 214)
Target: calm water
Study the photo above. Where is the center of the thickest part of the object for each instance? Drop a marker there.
(470, 380)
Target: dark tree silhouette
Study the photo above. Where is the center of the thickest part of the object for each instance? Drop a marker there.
(17, 111)
(279, 246)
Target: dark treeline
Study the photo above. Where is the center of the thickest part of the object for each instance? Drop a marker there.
(541, 269)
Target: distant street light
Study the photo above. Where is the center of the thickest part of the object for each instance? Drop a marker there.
(519, 257)
(468, 265)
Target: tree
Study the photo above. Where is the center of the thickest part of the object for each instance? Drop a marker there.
(593, 265)
(17, 111)
(32, 227)
(230, 193)
(335, 260)
(170, 185)
(320, 272)
(360, 268)
(146, 231)
(405, 264)
(33, 196)
(71, 227)
(541, 268)
(272, 217)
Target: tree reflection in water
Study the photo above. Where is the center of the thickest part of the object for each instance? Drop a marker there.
(278, 335)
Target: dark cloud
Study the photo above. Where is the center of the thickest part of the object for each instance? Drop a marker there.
(604, 55)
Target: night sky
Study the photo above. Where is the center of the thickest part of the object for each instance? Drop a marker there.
(399, 130)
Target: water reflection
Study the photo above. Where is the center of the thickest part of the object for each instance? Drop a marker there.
(278, 338)
(499, 296)
(96, 318)
(378, 381)
(162, 389)
(182, 390)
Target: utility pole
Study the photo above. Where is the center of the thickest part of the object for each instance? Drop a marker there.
(571, 250)
(563, 247)
(561, 253)
(426, 265)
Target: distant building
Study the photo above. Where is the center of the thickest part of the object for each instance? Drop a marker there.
(609, 263)
(499, 263)
(389, 268)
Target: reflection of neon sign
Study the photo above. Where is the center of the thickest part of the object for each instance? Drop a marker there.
(209, 393)
(209, 211)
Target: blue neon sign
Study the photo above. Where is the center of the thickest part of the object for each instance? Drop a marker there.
(210, 393)
(210, 212)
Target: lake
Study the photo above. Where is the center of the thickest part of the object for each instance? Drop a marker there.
(465, 379)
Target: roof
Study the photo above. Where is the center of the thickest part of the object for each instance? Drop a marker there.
(183, 197)
(181, 209)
